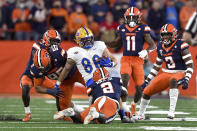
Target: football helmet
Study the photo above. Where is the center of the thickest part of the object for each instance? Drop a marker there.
(132, 16)
(42, 60)
(100, 73)
(84, 38)
(51, 37)
(168, 34)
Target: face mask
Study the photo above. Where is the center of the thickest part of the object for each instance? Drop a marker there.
(132, 24)
(21, 6)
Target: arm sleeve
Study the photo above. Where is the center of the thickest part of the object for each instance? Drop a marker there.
(146, 29)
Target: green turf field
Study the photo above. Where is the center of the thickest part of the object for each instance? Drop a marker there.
(43, 110)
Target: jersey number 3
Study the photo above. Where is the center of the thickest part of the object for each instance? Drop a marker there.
(130, 43)
(107, 87)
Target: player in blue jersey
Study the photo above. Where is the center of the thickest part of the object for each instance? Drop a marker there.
(106, 97)
(33, 77)
(132, 35)
(179, 68)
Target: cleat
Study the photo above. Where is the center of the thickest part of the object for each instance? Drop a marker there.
(170, 115)
(126, 119)
(128, 114)
(69, 112)
(27, 117)
(58, 115)
(66, 112)
(91, 115)
(140, 117)
(133, 109)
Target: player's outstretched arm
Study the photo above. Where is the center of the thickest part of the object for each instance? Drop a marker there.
(67, 68)
(115, 43)
(150, 42)
(106, 54)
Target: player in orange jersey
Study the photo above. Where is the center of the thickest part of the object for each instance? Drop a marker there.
(132, 35)
(179, 68)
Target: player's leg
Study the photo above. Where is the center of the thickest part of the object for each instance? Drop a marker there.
(173, 93)
(138, 77)
(26, 84)
(160, 83)
(125, 71)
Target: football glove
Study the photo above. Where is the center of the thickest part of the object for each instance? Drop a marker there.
(143, 54)
(55, 92)
(184, 82)
(106, 62)
(144, 85)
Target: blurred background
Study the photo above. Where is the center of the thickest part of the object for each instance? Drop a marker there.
(29, 19)
(24, 21)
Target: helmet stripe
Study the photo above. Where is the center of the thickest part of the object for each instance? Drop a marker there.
(165, 28)
(102, 72)
(132, 11)
(86, 31)
(39, 58)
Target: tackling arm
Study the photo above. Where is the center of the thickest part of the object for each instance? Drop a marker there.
(68, 66)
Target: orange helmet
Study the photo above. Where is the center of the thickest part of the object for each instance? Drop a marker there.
(132, 16)
(168, 34)
(42, 59)
(51, 37)
(100, 73)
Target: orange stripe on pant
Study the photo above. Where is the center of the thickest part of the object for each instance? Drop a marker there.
(133, 66)
(161, 82)
(109, 108)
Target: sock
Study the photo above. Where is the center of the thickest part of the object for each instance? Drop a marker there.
(77, 108)
(173, 93)
(143, 106)
(121, 113)
(27, 109)
(124, 106)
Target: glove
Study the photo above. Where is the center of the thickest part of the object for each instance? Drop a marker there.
(184, 82)
(55, 92)
(144, 85)
(106, 62)
(143, 54)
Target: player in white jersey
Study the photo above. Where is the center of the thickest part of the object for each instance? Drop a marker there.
(87, 56)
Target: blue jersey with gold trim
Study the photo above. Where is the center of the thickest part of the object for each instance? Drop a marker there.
(172, 56)
(132, 38)
(108, 87)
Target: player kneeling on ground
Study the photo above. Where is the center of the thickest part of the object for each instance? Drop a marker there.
(179, 68)
(106, 93)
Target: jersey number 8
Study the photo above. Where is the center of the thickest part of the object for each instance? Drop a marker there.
(87, 64)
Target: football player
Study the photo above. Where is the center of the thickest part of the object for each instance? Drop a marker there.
(179, 68)
(106, 93)
(133, 34)
(32, 77)
(87, 56)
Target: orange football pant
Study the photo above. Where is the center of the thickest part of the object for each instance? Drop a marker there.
(161, 82)
(133, 66)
